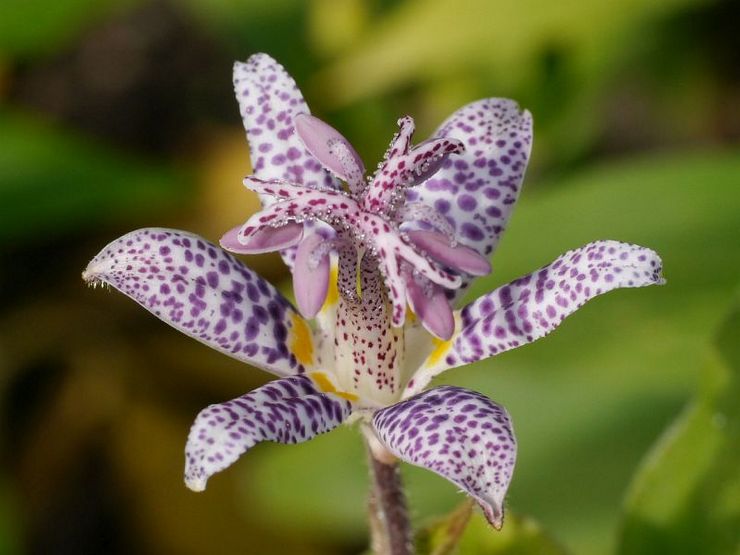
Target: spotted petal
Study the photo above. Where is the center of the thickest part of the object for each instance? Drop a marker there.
(459, 434)
(289, 410)
(207, 294)
(478, 188)
(330, 148)
(534, 305)
(269, 100)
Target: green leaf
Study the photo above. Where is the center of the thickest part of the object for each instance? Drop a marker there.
(53, 181)
(519, 536)
(686, 497)
(502, 36)
(465, 532)
(443, 536)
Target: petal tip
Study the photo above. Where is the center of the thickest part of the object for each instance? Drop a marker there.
(261, 239)
(651, 264)
(494, 513)
(258, 57)
(96, 270)
(329, 147)
(311, 276)
(88, 276)
(195, 484)
(229, 241)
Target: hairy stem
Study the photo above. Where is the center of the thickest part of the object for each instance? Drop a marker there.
(390, 529)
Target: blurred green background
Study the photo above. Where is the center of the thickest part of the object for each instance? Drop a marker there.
(119, 114)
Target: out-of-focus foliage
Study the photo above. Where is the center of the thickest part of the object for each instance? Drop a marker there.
(30, 29)
(425, 38)
(8, 522)
(53, 181)
(686, 498)
(119, 114)
(464, 532)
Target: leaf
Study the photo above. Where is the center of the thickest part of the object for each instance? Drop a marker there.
(465, 532)
(53, 181)
(501, 35)
(686, 497)
(443, 536)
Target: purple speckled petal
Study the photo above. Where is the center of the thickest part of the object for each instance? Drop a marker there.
(266, 239)
(459, 434)
(269, 99)
(207, 294)
(534, 305)
(330, 148)
(477, 189)
(289, 410)
(459, 257)
(431, 306)
(311, 275)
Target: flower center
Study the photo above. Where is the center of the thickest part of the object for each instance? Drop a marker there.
(391, 254)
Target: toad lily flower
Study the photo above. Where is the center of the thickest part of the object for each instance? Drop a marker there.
(361, 252)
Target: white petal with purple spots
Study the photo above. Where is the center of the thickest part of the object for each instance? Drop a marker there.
(204, 292)
(477, 189)
(289, 410)
(534, 305)
(269, 99)
(459, 434)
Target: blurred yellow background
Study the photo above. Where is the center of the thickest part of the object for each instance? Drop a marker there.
(119, 114)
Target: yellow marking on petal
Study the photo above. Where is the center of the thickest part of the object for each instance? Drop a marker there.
(326, 385)
(440, 346)
(440, 349)
(333, 294)
(410, 314)
(323, 381)
(302, 344)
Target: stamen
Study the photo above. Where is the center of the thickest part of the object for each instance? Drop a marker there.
(352, 172)
(313, 286)
(420, 212)
(401, 141)
(322, 141)
(318, 253)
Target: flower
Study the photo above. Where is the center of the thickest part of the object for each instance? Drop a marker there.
(414, 234)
